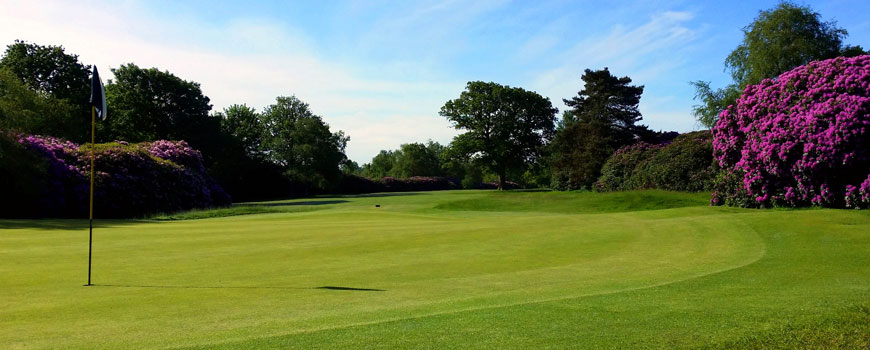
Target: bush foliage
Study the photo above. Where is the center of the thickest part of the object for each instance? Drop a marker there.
(131, 180)
(798, 140)
(22, 175)
(686, 164)
(354, 184)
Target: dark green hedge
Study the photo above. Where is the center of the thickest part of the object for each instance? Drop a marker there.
(686, 164)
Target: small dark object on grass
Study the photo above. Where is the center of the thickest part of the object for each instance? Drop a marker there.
(377, 205)
(352, 288)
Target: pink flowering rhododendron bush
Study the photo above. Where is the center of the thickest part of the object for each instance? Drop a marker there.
(131, 180)
(798, 140)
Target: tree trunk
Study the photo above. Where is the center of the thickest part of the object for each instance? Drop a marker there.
(501, 181)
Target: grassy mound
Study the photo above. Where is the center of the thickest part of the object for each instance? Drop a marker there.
(577, 202)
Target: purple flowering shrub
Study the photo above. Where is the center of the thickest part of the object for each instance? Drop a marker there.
(65, 185)
(131, 180)
(798, 140)
(23, 175)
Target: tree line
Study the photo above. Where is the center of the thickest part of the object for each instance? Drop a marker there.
(508, 133)
(285, 149)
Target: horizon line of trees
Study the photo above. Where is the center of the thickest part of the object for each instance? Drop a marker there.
(284, 150)
(509, 133)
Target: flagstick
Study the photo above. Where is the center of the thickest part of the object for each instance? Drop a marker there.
(91, 216)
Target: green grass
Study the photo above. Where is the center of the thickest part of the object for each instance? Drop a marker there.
(445, 270)
(235, 210)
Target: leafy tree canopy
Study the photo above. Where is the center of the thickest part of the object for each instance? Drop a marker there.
(29, 111)
(777, 40)
(49, 69)
(57, 103)
(298, 140)
(417, 159)
(505, 127)
(381, 166)
(243, 123)
(149, 104)
(781, 39)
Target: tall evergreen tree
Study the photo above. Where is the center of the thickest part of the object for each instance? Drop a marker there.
(603, 117)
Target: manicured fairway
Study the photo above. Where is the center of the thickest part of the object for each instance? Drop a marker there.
(441, 270)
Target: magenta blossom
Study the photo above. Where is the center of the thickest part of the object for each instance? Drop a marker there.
(800, 139)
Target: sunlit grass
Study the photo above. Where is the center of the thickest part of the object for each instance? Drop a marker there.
(456, 269)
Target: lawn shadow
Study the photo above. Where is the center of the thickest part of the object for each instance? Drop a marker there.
(351, 288)
(526, 190)
(62, 224)
(236, 287)
(282, 204)
(376, 195)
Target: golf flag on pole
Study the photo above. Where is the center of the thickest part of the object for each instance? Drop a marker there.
(98, 95)
(98, 108)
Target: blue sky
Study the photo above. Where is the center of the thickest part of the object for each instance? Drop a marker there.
(380, 70)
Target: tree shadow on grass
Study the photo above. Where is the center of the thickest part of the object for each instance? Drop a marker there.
(353, 289)
(62, 224)
(282, 204)
(238, 287)
(376, 195)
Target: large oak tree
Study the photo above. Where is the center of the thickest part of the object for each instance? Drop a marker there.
(505, 127)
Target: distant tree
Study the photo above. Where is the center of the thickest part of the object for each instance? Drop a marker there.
(381, 166)
(63, 83)
(149, 104)
(458, 164)
(417, 159)
(349, 167)
(777, 40)
(604, 117)
(32, 112)
(243, 123)
(505, 127)
(49, 69)
(301, 143)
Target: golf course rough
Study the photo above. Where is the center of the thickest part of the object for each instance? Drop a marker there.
(453, 269)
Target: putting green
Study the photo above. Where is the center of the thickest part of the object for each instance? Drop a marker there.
(444, 269)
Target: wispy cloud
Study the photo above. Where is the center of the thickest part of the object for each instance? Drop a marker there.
(246, 61)
(644, 52)
(380, 70)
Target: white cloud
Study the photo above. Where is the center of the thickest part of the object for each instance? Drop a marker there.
(379, 105)
(644, 53)
(241, 63)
